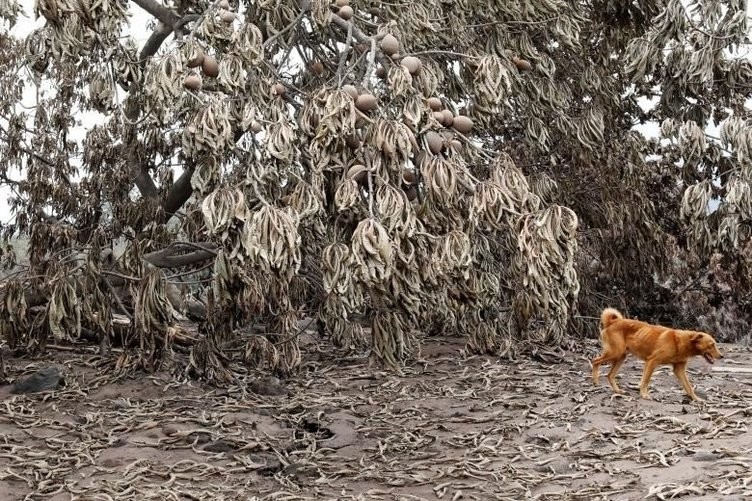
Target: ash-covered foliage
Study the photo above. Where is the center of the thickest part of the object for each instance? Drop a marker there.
(456, 167)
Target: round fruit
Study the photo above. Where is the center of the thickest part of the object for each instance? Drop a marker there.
(462, 124)
(317, 68)
(279, 89)
(352, 141)
(365, 102)
(448, 118)
(209, 66)
(456, 144)
(435, 142)
(350, 89)
(192, 81)
(227, 17)
(381, 72)
(346, 12)
(412, 63)
(522, 64)
(434, 103)
(438, 116)
(390, 45)
(224, 4)
(255, 126)
(408, 176)
(412, 193)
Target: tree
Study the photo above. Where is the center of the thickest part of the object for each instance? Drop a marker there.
(454, 167)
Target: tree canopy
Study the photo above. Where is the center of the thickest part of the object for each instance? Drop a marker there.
(450, 167)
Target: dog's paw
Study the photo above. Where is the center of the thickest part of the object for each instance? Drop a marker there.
(646, 396)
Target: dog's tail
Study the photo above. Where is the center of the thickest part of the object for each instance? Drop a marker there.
(609, 316)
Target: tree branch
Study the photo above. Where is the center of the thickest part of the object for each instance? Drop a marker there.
(358, 35)
(142, 179)
(170, 257)
(140, 170)
(179, 193)
(181, 190)
(153, 44)
(160, 34)
(305, 6)
(162, 13)
(171, 21)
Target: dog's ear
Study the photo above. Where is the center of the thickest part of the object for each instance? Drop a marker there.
(696, 337)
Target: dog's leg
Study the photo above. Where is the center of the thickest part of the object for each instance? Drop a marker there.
(597, 361)
(680, 370)
(650, 366)
(614, 370)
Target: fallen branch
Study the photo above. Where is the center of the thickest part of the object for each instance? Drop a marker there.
(175, 256)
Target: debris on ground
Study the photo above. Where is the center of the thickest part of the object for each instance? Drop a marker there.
(448, 428)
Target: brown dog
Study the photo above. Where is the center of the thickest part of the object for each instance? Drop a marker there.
(655, 344)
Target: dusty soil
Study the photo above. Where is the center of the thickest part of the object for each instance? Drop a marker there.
(448, 428)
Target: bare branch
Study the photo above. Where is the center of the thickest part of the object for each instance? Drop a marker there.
(358, 34)
(162, 13)
(160, 34)
(179, 193)
(153, 43)
(140, 170)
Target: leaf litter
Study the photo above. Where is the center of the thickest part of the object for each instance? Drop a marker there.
(447, 428)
